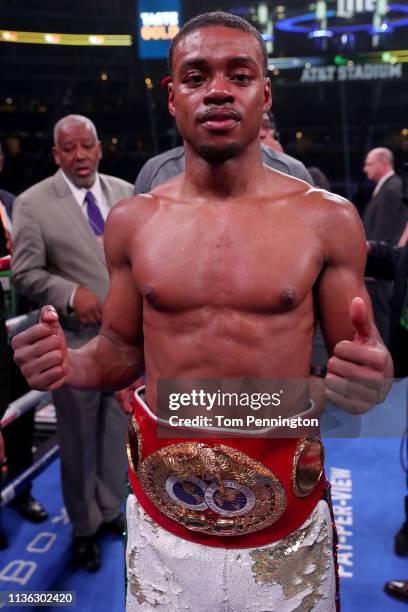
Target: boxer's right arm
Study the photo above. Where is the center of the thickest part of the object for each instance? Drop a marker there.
(41, 352)
(114, 358)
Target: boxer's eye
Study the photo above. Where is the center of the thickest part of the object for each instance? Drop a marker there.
(193, 79)
(241, 77)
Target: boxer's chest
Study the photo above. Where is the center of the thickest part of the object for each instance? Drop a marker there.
(261, 262)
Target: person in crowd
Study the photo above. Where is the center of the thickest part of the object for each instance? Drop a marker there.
(4, 369)
(18, 436)
(384, 220)
(3, 338)
(220, 273)
(319, 178)
(6, 199)
(391, 263)
(171, 163)
(58, 230)
(268, 134)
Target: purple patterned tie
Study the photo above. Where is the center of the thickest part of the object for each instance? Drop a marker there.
(94, 214)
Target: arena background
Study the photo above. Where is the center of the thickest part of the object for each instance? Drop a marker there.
(329, 124)
(323, 121)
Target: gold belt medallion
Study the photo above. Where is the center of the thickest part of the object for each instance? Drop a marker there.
(307, 467)
(134, 444)
(212, 489)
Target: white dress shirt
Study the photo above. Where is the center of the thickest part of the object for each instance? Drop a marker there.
(80, 193)
(79, 196)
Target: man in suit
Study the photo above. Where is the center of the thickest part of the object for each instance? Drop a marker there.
(391, 262)
(384, 220)
(58, 228)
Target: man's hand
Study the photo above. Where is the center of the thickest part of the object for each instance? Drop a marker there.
(360, 372)
(125, 396)
(88, 306)
(41, 352)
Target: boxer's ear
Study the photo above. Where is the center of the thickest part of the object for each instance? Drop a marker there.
(267, 94)
(171, 102)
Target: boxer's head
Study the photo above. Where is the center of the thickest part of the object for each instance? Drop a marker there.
(219, 87)
(77, 150)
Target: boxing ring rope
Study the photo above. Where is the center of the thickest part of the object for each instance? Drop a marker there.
(19, 483)
(15, 325)
(29, 401)
(22, 405)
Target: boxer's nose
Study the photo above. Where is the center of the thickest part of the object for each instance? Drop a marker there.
(219, 91)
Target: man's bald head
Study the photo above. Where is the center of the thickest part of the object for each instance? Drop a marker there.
(378, 163)
(69, 120)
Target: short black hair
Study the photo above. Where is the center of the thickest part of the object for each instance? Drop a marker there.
(217, 18)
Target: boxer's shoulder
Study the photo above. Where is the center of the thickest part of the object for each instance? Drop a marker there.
(165, 192)
(134, 208)
(333, 219)
(314, 202)
(338, 224)
(128, 216)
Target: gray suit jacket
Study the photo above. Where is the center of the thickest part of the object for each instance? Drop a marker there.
(169, 164)
(55, 248)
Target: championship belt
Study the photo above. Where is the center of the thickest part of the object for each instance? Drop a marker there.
(234, 492)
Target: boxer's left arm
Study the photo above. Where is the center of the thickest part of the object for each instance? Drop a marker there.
(360, 369)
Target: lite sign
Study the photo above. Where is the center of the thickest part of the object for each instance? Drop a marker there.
(156, 28)
(349, 8)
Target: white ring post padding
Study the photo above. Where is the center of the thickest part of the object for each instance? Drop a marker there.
(10, 492)
(23, 404)
(15, 325)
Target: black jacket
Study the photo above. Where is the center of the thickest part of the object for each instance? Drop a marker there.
(386, 214)
(391, 263)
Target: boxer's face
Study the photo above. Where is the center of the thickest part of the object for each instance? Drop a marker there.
(77, 152)
(219, 91)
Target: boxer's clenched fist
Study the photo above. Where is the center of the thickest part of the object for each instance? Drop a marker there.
(41, 352)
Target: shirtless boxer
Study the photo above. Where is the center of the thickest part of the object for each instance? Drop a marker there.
(221, 273)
